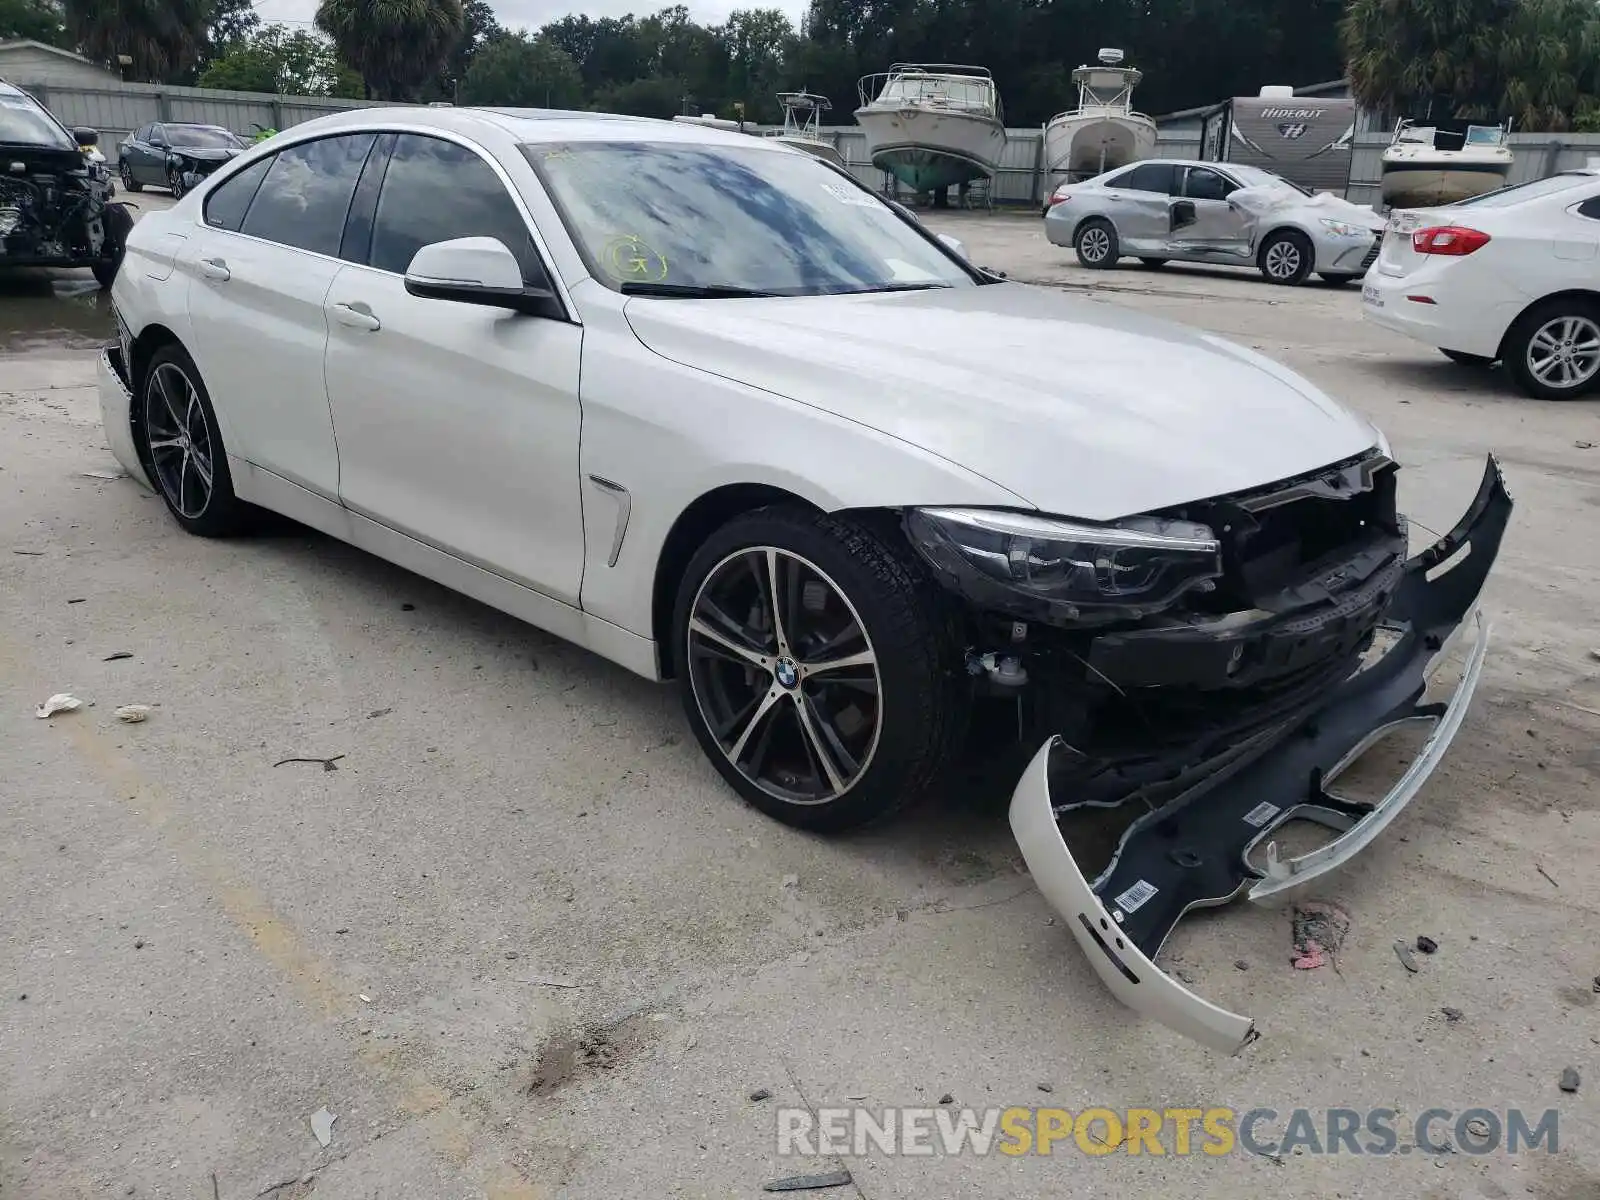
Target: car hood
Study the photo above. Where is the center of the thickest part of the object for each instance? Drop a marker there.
(1271, 200)
(208, 153)
(1081, 408)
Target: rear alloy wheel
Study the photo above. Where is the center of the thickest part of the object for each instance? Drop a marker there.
(1287, 258)
(817, 668)
(1096, 244)
(1553, 350)
(183, 450)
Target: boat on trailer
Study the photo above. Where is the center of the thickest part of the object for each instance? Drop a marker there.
(1103, 132)
(932, 126)
(802, 125)
(1429, 165)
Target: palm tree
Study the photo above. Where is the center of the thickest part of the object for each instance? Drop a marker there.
(163, 38)
(396, 45)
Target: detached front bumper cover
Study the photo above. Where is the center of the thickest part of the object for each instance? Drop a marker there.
(1194, 851)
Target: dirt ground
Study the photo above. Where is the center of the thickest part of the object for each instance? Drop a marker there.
(523, 943)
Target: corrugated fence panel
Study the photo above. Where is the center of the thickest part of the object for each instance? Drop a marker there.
(117, 109)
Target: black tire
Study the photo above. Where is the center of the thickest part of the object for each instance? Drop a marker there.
(1568, 324)
(1097, 244)
(1465, 359)
(1154, 264)
(129, 183)
(117, 223)
(1286, 258)
(1337, 280)
(175, 182)
(865, 579)
(222, 514)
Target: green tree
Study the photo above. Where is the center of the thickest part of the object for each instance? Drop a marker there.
(397, 46)
(163, 38)
(478, 27)
(523, 71)
(659, 98)
(275, 58)
(37, 20)
(754, 43)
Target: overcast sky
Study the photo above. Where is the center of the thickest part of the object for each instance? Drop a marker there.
(534, 13)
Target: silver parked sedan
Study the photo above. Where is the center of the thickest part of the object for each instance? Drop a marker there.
(1167, 209)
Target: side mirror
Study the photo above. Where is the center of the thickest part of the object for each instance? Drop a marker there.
(86, 136)
(953, 244)
(1182, 214)
(477, 270)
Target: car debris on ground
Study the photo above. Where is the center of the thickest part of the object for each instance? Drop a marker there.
(322, 1126)
(801, 1183)
(59, 703)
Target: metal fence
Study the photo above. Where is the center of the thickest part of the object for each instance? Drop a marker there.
(116, 109)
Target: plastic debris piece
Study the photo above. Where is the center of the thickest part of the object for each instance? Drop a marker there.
(118, 656)
(365, 999)
(105, 475)
(760, 1094)
(801, 1183)
(322, 1126)
(1317, 930)
(1407, 959)
(133, 713)
(1426, 944)
(59, 703)
(1569, 1080)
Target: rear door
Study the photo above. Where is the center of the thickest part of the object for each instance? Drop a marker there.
(1140, 199)
(260, 270)
(1219, 230)
(457, 423)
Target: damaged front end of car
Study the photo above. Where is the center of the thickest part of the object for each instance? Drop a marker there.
(1213, 667)
(55, 211)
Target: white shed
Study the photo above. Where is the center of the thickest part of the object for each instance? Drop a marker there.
(27, 63)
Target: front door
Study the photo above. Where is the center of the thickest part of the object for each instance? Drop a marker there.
(457, 423)
(1219, 231)
(260, 271)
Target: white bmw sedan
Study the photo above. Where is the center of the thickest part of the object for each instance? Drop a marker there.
(707, 406)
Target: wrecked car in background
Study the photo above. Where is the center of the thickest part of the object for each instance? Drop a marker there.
(1171, 210)
(721, 414)
(55, 208)
(174, 155)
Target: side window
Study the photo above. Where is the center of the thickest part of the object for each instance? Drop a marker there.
(436, 190)
(1590, 208)
(305, 196)
(158, 134)
(144, 134)
(1153, 177)
(227, 204)
(1206, 184)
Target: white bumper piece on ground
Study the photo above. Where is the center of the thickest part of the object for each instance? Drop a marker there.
(1195, 850)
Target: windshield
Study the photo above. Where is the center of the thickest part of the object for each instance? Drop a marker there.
(1256, 177)
(1518, 192)
(202, 137)
(676, 216)
(24, 123)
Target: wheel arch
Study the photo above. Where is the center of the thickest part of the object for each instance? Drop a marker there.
(141, 350)
(703, 516)
(1588, 294)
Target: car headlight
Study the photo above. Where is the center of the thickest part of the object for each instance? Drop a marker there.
(1344, 229)
(1048, 568)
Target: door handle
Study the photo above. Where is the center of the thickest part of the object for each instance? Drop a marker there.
(356, 318)
(215, 268)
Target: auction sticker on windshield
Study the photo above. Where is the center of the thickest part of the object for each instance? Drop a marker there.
(849, 195)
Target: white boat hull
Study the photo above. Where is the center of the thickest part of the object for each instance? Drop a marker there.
(1079, 146)
(930, 149)
(1427, 180)
(813, 146)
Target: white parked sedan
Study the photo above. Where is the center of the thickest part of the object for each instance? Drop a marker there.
(709, 407)
(1510, 276)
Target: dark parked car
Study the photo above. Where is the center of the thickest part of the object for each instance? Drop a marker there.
(55, 208)
(173, 156)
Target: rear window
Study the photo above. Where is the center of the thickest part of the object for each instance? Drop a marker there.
(1536, 190)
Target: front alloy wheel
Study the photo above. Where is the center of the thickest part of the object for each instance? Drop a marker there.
(182, 449)
(175, 182)
(1553, 349)
(785, 675)
(817, 667)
